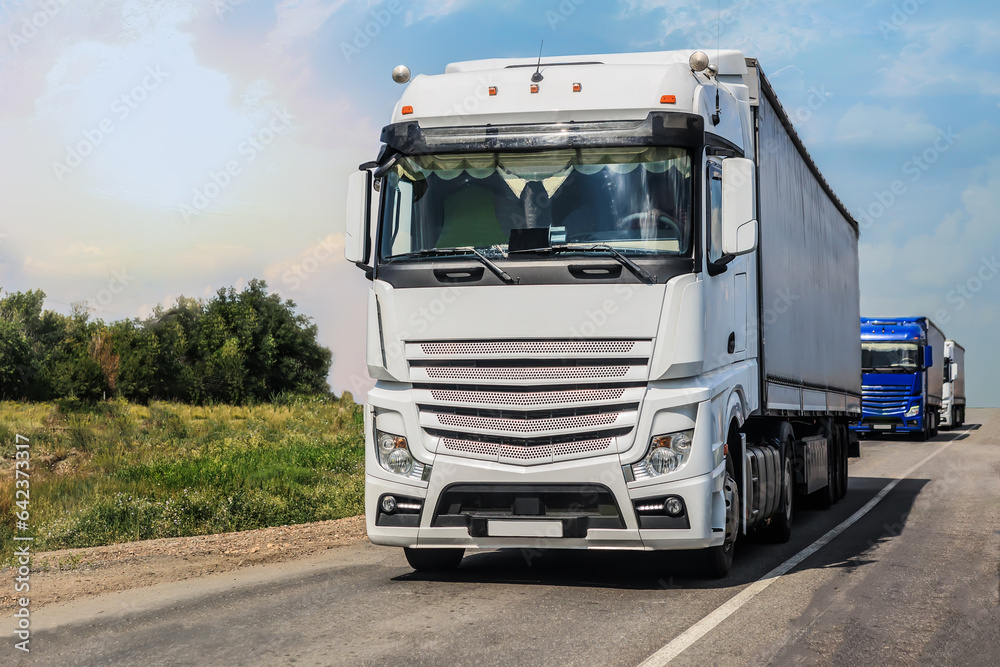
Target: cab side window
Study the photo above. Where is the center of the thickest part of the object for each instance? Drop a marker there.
(713, 207)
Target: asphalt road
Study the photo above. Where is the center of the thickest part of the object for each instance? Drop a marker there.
(916, 579)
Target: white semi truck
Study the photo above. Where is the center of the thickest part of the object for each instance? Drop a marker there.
(614, 305)
(953, 390)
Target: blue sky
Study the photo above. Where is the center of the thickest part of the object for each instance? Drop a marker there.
(159, 148)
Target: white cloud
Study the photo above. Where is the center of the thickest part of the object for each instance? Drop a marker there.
(924, 267)
(435, 9)
(767, 29)
(876, 126)
(299, 19)
(943, 58)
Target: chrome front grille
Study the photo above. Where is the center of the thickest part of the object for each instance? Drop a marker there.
(526, 347)
(528, 398)
(884, 399)
(527, 454)
(528, 402)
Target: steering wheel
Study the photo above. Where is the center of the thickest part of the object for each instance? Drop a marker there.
(660, 217)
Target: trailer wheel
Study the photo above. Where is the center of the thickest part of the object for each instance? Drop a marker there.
(779, 530)
(719, 559)
(433, 560)
(935, 418)
(829, 494)
(844, 446)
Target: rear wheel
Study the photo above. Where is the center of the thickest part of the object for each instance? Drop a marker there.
(844, 444)
(829, 494)
(934, 423)
(780, 528)
(433, 560)
(719, 560)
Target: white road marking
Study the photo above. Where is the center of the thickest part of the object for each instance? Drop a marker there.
(680, 643)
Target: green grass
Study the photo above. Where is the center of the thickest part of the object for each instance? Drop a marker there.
(114, 472)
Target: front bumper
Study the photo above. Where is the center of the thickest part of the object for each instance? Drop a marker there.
(883, 424)
(699, 494)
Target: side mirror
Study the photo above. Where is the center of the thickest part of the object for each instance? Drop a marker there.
(739, 216)
(928, 356)
(356, 244)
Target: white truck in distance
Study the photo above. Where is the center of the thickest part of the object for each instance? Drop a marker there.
(614, 304)
(953, 390)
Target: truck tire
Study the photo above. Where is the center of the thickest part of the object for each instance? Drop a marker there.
(934, 424)
(779, 530)
(433, 560)
(845, 438)
(829, 494)
(718, 560)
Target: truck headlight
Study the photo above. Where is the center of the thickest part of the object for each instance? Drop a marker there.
(914, 411)
(666, 454)
(394, 456)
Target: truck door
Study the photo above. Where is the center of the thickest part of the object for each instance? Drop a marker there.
(726, 293)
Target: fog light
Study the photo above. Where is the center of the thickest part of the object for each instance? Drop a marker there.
(673, 506)
(388, 504)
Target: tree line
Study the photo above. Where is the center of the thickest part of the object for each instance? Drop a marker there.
(237, 347)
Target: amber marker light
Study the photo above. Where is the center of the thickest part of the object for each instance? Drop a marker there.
(407, 110)
(668, 99)
(534, 87)
(493, 90)
(577, 87)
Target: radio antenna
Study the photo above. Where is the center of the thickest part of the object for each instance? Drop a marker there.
(537, 76)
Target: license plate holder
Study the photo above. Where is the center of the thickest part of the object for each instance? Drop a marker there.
(509, 528)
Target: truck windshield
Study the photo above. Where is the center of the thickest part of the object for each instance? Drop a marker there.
(636, 200)
(889, 357)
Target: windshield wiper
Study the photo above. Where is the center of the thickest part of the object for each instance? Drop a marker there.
(444, 252)
(625, 261)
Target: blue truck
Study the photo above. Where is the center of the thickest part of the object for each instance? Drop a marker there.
(902, 378)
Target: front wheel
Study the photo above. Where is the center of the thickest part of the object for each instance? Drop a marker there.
(433, 560)
(719, 560)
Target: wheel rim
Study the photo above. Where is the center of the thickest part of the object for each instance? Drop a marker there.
(786, 488)
(732, 513)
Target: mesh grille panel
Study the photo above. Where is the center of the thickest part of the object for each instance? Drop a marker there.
(526, 453)
(529, 347)
(528, 398)
(472, 447)
(526, 373)
(528, 425)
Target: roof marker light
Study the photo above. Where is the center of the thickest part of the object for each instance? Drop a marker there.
(668, 99)
(534, 88)
(493, 90)
(577, 87)
(407, 110)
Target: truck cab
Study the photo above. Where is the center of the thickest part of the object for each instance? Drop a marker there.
(568, 308)
(901, 387)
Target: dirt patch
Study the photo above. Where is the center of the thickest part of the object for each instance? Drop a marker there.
(67, 574)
